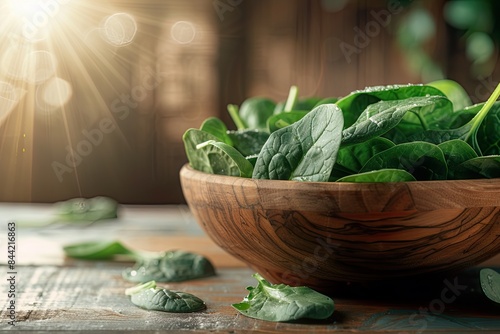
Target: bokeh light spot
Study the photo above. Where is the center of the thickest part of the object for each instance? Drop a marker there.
(119, 29)
(53, 94)
(183, 32)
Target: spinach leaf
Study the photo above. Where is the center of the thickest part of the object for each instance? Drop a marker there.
(480, 167)
(284, 119)
(456, 152)
(467, 132)
(425, 161)
(99, 250)
(248, 142)
(454, 91)
(305, 150)
(488, 134)
(490, 283)
(148, 296)
(382, 175)
(353, 105)
(171, 266)
(82, 209)
(208, 154)
(216, 127)
(351, 159)
(280, 302)
(380, 117)
(255, 111)
(328, 100)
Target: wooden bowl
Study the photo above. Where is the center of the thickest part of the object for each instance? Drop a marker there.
(321, 234)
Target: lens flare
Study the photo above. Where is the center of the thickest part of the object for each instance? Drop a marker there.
(183, 32)
(119, 29)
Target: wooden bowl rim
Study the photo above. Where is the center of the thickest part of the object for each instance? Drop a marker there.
(422, 195)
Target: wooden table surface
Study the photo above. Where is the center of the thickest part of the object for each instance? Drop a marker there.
(54, 293)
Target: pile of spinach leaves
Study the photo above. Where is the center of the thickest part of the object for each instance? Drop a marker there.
(379, 134)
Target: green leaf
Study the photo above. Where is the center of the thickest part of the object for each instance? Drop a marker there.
(172, 266)
(353, 105)
(280, 302)
(382, 175)
(480, 167)
(225, 159)
(208, 154)
(305, 150)
(216, 127)
(99, 250)
(255, 111)
(490, 283)
(425, 161)
(82, 209)
(378, 118)
(150, 297)
(284, 119)
(248, 142)
(454, 91)
(456, 152)
(351, 159)
(488, 134)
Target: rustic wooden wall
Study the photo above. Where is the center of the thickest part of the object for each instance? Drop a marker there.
(200, 55)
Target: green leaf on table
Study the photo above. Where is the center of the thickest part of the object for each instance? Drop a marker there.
(305, 150)
(382, 175)
(148, 296)
(171, 266)
(425, 161)
(280, 302)
(490, 283)
(98, 250)
(83, 209)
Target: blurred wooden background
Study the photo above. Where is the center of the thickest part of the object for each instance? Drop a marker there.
(188, 60)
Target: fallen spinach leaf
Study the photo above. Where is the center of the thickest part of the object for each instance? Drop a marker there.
(148, 296)
(280, 302)
(171, 266)
(382, 175)
(82, 209)
(305, 150)
(425, 161)
(490, 283)
(99, 250)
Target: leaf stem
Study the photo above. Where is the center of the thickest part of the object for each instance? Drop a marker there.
(140, 287)
(478, 119)
(292, 98)
(234, 113)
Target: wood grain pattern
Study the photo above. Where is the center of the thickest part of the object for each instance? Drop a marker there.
(323, 234)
